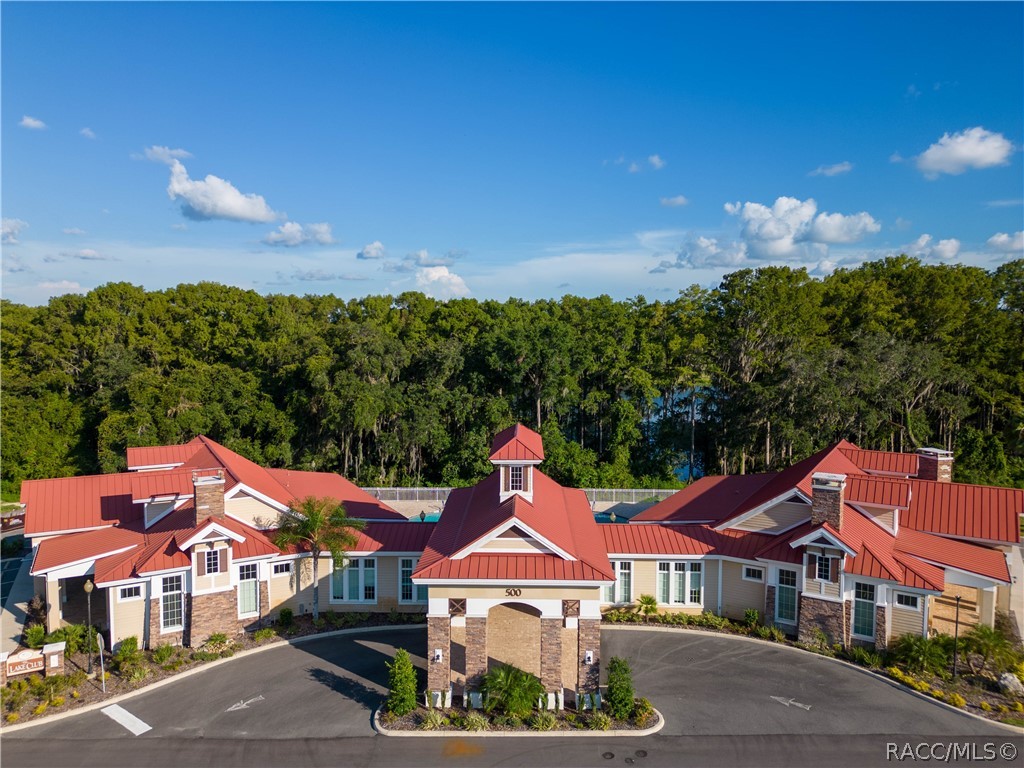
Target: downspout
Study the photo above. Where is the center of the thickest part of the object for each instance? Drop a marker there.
(718, 612)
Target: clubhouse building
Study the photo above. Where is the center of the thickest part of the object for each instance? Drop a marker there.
(850, 545)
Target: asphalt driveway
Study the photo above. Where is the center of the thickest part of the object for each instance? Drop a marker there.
(726, 702)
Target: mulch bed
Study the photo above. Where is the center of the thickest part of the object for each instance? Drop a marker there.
(565, 720)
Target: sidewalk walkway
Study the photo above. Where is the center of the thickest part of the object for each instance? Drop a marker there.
(15, 609)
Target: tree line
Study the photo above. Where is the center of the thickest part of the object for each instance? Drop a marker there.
(392, 390)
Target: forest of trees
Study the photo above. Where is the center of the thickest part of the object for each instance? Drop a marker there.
(759, 372)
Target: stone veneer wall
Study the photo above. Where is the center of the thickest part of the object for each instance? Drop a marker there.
(174, 638)
(769, 605)
(881, 640)
(439, 630)
(590, 640)
(551, 654)
(213, 612)
(825, 615)
(476, 651)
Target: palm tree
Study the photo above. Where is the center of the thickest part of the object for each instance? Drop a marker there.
(317, 526)
(647, 605)
(992, 646)
(511, 690)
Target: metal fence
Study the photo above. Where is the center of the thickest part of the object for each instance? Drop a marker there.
(439, 495)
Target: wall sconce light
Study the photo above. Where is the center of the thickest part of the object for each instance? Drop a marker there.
(588, 657)
(438, 656)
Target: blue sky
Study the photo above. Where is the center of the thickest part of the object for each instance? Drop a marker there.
(502, 150)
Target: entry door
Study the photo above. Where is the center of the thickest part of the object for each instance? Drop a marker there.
(248, 590)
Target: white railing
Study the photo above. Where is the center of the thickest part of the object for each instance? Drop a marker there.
(440, 495)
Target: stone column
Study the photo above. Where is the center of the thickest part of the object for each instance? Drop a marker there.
(53, 659)
(769, 605)
(439, 673)
(476, 651)
(590, 640)
(53, 606)
(881, 630)
(551, 655)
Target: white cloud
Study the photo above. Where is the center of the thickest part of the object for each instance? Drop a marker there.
(86, 254)
(925, 248)
(10, 230)
(704, 252)
(901, 223)
(60, 287)
(291, 233)
(73, 231)
(958, 152)
(215, 198)
(896, 157)
(88, 133)
(1013, 203)
(440, 283)
(417, 260)
(832, 170)
(1005, 243)
(790, 229)
(164, 155)
(674, 202)
(32, 123)
(634, 168)
(374, 250)
(320, 275)
(656, 162)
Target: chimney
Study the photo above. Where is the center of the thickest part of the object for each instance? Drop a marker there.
(935, 464)
(827, 499)
(209, 495)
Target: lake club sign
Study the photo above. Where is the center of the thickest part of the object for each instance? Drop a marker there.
(48, 661)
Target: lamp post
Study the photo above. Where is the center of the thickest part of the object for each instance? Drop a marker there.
(956, 634)
(89, 586)
(423, 515)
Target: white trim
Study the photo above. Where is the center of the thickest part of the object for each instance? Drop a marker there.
(524, 582)
(154, 499)
(813, 536)
(179, 503)
(167, 571)
(744, 577)
(200, 536)
(151, 467)
(415, 587)
(243, 488)
(181, 593)
(662, 556)
(512, 522)
(967, 575)
(135, 585)
(516, 462)
(92, 559)
(614, 586)
(111, 615)
(672, 576)
(53, 534)
(781, 498)
(796, 596)
(273, 569)
(362, 582)
(247, 523)
(897, 594)
(237, 578)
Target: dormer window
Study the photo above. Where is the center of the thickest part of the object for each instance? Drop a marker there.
(515, 480)
(212, 561)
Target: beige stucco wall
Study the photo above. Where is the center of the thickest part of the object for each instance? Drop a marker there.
(130, 617)
(739, 594)
(777, 518)
(711, 568)
(295, 590)
(528, 592)
(252, 511)
(904, 621)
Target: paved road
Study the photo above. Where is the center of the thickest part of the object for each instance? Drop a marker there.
(9, 567)
(716, 693)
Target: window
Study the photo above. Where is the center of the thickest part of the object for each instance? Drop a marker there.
(356, 581)
(133, 592)
(212, 561)
(679, 583)
(515, 478)
(281, 569)
(864, 610)
(785, 597)
(824, 568)
(622, 590)
(248, 589)
(753, 574)
(908, 601)
(171, 603)
(410, 593)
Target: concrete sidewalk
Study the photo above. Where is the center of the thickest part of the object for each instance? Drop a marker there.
(16, 608)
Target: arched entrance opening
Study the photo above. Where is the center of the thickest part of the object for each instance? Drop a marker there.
(513, 637)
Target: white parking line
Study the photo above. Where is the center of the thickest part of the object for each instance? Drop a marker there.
(127, 719)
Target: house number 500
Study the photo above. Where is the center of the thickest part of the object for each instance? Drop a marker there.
(513, 592)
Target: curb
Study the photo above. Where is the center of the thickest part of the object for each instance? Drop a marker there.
(513, 734)
(196, 670)
(856, 667)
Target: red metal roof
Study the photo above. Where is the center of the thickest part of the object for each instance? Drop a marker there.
(75, 547)
(358, 503)
(74, 503)
(506, 567)
(956, 554)
(713, 498)
(888, 462)
(560, 515)
(982, 512)
(517, 443)
(877, 492)
(919, 574)
(162, 455)
(633, 539)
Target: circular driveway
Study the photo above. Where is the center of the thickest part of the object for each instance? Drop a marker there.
(727, 701)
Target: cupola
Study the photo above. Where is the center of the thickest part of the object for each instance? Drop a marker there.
(515, 452)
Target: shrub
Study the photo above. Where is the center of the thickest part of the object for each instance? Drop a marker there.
(217, 638)
(35, 636)
(227, 653)
(78, 677)
(263, 634)
(508, 721)
(711, 621)
(543, 721)
(40, 708)
(475, 722)
(1003, 709)
(939, 695)
(864, 657)
(433, 720)
(620, 689)
(286, 617)
(995, 650)
(511, 691)
(647, 605)
(599, 721)
(920, 654)
(57, 701)
(76, 695)
(1018, 706)
(643, 711)
(128, 654)
(331, 618)
(14, 694)
(319, 623)
(204, 656)
(13, 717)
(401, 684)
(72, 635)
(162, 653)
(986, 707)
(751, 617)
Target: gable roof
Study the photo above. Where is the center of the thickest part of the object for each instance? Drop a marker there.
(877, 492)
(562, 516)
(983, 512)
(885, 462)
(517, 443)
(711, 499)
(161, 455)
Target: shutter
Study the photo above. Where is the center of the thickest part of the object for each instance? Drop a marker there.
(834, 571)
(527, 471)
(223, 556)
(201, 564)
(506, 473)
(812, 567)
